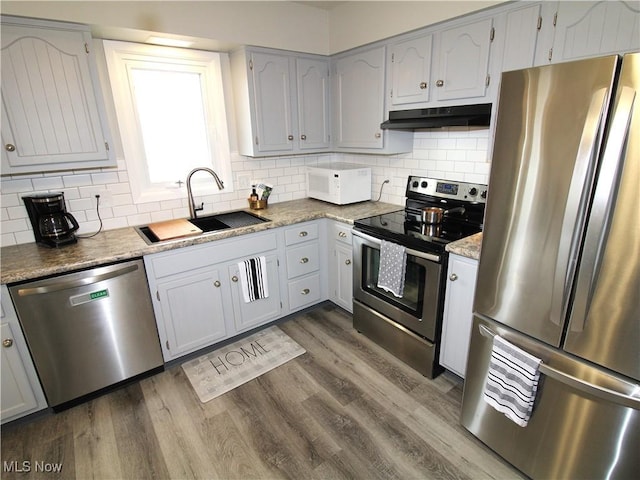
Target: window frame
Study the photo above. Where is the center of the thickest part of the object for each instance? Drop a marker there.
(120, 58)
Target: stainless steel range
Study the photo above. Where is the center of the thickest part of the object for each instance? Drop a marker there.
(436, 213)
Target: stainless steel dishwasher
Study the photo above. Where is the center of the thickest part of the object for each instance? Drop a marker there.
(88, 330)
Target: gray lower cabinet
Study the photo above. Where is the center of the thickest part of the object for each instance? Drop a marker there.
(340, 265)
(21, 390)
(249, 315)
(303, 257)
(458, 313)
(197, 296)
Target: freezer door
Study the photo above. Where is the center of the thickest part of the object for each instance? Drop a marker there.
(604, 326)
(548, 133)
(585, 422)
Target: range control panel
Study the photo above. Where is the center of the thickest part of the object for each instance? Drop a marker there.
(434, 187)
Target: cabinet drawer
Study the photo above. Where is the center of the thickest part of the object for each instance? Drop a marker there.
(304, 292)
(194, 257)
(301, 233)
(302, 260)
(342, 233)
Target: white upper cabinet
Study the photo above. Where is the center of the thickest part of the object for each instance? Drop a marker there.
(312, 76)
(282, 102)
(521, 36)
(463, 61)
(358, 105)
(359, 99)
(450, 65)
(52, 111)
(410, 71)
(272, 102)
(588, 29)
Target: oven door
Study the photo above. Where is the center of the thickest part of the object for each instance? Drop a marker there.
(419, 308)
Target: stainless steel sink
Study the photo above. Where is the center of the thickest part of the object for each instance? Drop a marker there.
(210, 224)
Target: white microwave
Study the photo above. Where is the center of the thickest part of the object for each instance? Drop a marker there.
(339, 183)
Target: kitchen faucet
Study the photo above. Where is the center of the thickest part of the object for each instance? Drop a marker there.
(192, 206)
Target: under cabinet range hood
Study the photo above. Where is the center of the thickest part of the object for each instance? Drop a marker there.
(453, 116)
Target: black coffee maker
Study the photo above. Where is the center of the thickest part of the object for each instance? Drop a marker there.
(52, 224)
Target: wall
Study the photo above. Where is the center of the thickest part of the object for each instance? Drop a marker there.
(454, 153)
(276, 24)
(378, 20)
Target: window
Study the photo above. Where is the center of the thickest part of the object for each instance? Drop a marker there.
(171, 112)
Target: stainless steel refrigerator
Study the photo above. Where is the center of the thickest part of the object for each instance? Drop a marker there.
(559, 272)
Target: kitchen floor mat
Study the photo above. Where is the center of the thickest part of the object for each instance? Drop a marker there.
(224, 369)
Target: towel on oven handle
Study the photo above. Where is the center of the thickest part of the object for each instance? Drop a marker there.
(392, 267)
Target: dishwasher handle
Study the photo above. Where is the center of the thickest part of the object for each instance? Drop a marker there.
(63, 284)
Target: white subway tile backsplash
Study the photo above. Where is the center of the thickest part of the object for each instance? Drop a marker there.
(458, 153)
(77, 180)
(48, 183)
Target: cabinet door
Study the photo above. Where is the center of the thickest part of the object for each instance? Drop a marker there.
(252, 314)
(272, 102)
(343, 282)
(458, 313)
(411, 71)
(312, 78)
(520, 37)
(50, 112)
(588, 29)
(359, 99)
(193, 313)
(463, 63)
(17, 394)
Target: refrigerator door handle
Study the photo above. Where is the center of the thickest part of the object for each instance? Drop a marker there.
(577, 198)
(607, 394)
(601, 212)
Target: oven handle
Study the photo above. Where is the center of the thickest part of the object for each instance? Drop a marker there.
(427, 256)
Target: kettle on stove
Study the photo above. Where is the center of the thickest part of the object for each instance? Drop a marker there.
(52, 224)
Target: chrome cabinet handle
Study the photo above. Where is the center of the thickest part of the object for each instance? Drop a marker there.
(347, 262)
(7, 342)
(303, 137)
(440, 83)
(234, 279)
(342, 234)
(304, 260)
(306, 291)
(290, 137)
(423, 85)
(453, 277)
(303, 234)
(217, 283)
(378, 135)
(10, 147)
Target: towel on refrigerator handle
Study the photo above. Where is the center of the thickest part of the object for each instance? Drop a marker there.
(253, 278)
(392, 268)
(512, 381)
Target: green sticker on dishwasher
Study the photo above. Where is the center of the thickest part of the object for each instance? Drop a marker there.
(99, 294)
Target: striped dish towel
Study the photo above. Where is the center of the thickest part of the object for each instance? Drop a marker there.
(512, 381)
(253, 278)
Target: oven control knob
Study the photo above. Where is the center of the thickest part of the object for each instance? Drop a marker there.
(415, 184)
(473, 191)
(424, 184)
(483, 194)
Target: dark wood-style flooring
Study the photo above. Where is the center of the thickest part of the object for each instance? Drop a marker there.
(345, 409)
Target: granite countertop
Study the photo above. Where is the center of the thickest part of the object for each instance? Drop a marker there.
(30, 261)
(467, 247)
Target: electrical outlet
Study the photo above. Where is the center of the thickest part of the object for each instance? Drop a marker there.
(106, 197)
(244, 181)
